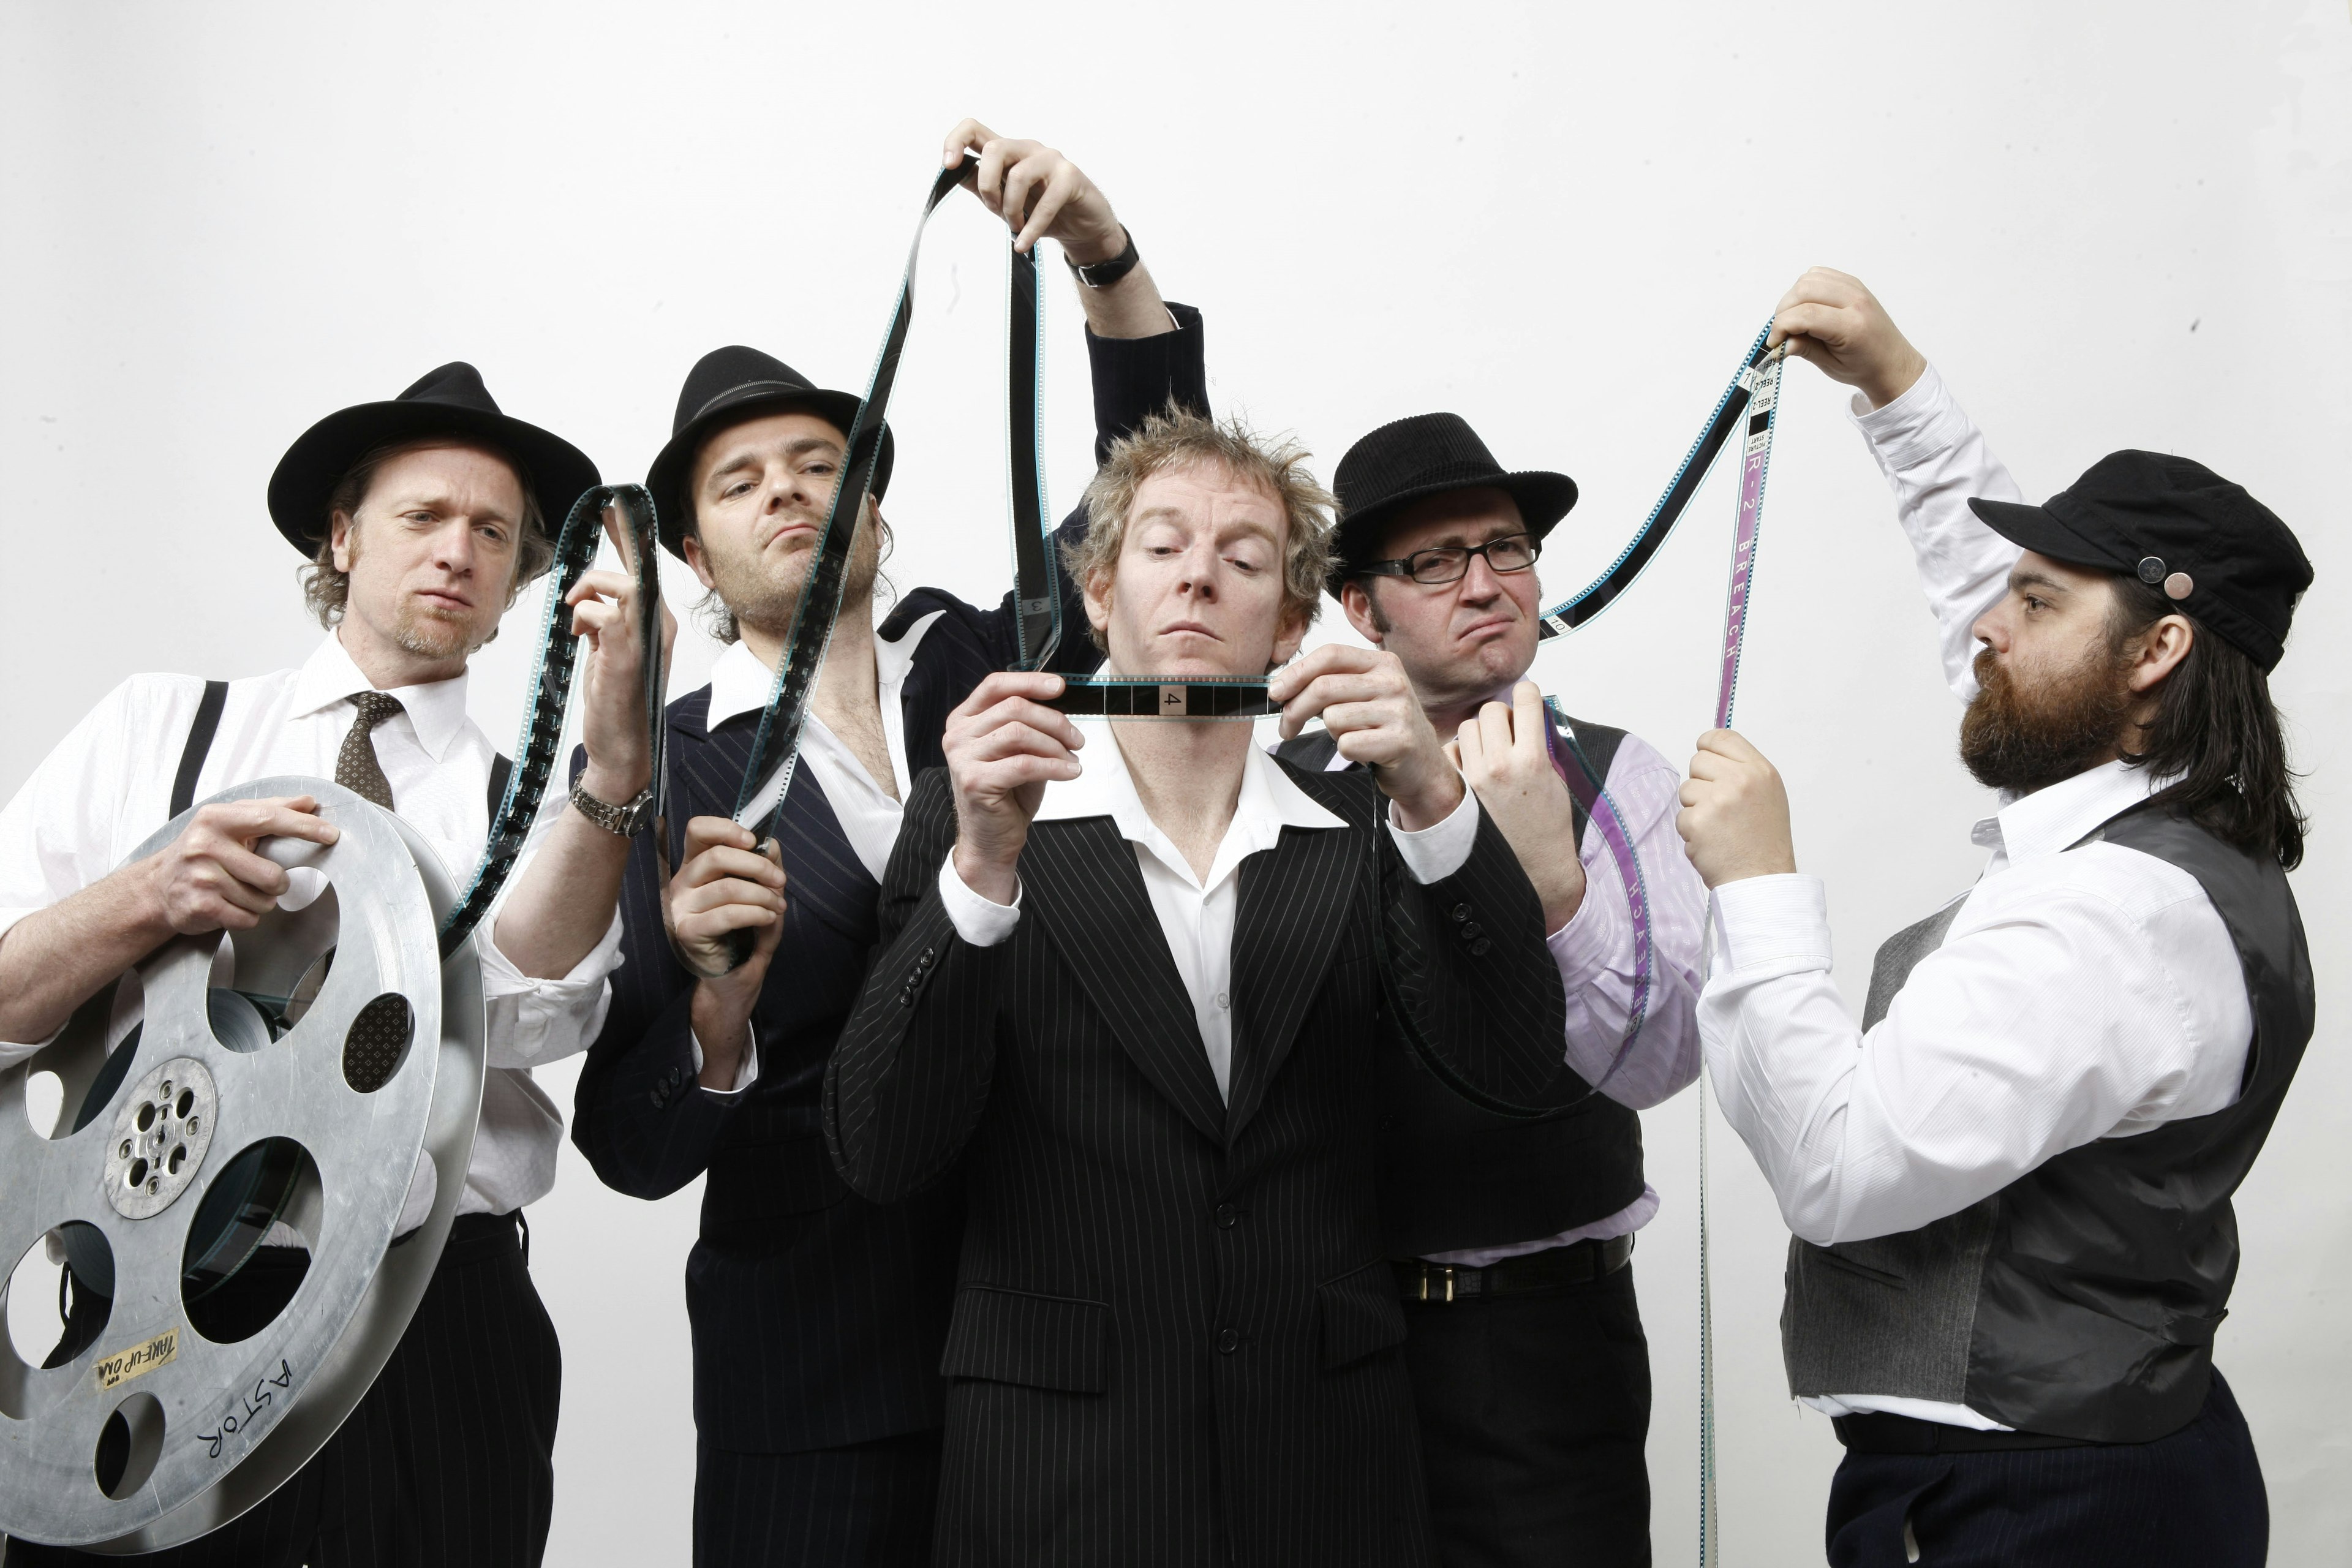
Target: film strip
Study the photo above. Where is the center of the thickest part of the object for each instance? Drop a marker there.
(539, 752)
(1731, 411)
(1156, 697)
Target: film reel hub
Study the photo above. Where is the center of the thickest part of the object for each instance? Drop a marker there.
(161, 1136)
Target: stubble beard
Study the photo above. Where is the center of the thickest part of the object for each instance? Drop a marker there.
(2023, 739)
(766, 598)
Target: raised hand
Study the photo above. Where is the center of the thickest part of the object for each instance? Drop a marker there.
(1039, 192)
(1504, 754)
(1831, 319)
(1734, 815)
(1367, 703)
(1003, 746)
(613, 721)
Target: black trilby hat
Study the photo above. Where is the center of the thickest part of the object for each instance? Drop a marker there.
(2216, 551)
(1428, 455)
(727, 386)
(448, 401)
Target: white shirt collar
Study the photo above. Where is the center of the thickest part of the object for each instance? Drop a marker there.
(740, 683)
(436, 710)
(1269, 801)
(2055, 818)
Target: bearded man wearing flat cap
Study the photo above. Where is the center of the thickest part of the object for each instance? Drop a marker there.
(2010, 1185)
(422, 517)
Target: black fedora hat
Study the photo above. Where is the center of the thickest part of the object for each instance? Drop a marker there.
(448, 401)
(1428, 455)
(727, 386)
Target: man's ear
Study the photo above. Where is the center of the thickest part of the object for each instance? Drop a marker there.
(1293, 631)
(1098, 589)
(699, 563)
(339, 531)
(1356, 602)
(2161, 648)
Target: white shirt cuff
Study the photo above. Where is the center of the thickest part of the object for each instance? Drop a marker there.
(982, 923)
(1435, 853)
(1924, 419)
(1778, 924)
(747, 1072)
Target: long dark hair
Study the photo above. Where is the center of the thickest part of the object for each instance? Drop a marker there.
(2218, 732)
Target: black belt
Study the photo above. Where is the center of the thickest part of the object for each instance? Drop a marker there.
(1879, 1433)
(1553, 1268)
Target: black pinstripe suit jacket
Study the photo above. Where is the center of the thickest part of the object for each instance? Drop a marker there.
(818, 1317)
(1175, 1332)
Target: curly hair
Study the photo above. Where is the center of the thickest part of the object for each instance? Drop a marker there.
(326, 588)
(1176, 437)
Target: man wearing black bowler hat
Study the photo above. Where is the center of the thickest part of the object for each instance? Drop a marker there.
(422, 517)
(819, 1318)
(1513, 1238)
(2011, 1187)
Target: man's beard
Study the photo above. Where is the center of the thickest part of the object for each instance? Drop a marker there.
(765, 597)
(436, 636)
(2023, 740)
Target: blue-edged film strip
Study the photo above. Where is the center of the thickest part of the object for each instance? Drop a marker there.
(1642, 548)
(1149, 696)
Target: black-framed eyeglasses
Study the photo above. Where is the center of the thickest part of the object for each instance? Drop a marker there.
(1450, 563)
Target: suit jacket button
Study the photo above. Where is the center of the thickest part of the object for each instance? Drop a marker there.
(676, 1076)
(1482, 947)
(1460, 912)
(907, 996)
(1228, 1341)
(930, 953)
(1472, 931)
(1228, 1216)
(658, 1098)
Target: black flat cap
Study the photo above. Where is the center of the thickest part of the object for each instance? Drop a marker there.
(1428, 455)
(2216, 551)
(448, 401)
(727, 386)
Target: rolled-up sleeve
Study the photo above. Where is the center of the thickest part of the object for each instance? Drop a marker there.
(534, 1021)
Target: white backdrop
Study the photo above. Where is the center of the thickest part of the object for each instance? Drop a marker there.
(2112, 225)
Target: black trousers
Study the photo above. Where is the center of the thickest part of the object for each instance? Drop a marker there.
(2194, 1499)
(867, 1505)
(447, 1463)
(1535, 1411)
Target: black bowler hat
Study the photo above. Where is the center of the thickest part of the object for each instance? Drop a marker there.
(2216, 551)
(450, 401)
(727, 386)
(1427, 455)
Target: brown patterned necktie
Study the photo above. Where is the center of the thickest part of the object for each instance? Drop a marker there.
(356, 768)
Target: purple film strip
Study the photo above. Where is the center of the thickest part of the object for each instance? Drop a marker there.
(1762, 381)
(1575, 769)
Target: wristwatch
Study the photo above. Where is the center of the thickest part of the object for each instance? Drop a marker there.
(1103, 273)
(625, 820)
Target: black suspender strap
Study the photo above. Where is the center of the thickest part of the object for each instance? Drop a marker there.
(502, 768)
(200, 744)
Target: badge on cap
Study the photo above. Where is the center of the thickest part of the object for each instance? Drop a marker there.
(2179, 585)
(2151, 570)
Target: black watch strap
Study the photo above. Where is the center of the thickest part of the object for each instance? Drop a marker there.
(1103, 273)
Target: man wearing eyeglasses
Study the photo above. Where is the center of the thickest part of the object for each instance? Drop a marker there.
(1513, 1238)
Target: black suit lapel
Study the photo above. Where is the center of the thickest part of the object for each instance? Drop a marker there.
(1291, 904)
(824, 875)
(1080, 882)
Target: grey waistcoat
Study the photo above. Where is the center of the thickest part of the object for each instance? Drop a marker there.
(2081, 1299)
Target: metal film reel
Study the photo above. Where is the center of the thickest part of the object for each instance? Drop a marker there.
(151, 1432)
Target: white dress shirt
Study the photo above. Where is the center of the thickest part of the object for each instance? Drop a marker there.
(2080, 993)
(108, 786)
(869, 815)
(1196, 913)
(1594, 952)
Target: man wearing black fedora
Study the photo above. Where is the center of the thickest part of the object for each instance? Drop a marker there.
(2010, 1185)
(422, 517)
(819, 1318)
(1513, 1238)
